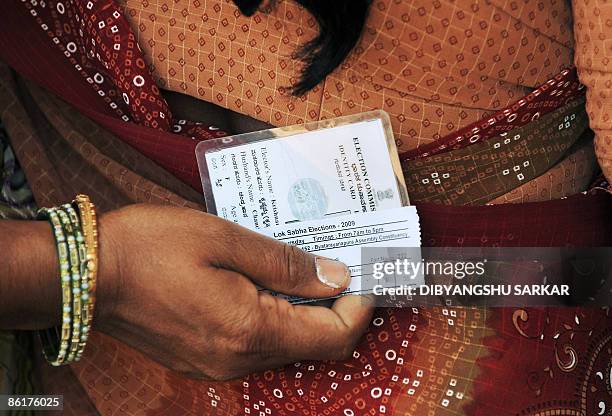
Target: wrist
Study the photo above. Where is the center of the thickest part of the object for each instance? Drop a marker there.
(29, 276)
(109, 270)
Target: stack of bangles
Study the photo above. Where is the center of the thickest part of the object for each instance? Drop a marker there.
(76, 236)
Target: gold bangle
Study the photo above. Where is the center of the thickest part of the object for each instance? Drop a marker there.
(89, 224)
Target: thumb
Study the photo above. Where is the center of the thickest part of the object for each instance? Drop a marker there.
(282, 267)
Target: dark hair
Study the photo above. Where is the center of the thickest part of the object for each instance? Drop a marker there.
(340, 25)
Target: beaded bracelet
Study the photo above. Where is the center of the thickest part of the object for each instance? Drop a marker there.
(76, 237)
(72, 227)
(79, 339)
(54, 355)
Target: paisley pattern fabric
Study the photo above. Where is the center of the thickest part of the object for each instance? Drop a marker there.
(570, 347)
(434, 361)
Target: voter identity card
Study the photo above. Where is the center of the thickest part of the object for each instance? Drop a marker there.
(330, 173)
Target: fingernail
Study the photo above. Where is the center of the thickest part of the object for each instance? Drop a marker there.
(332, 273)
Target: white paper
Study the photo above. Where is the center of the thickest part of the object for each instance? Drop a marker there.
(342, 238)
(324, 173)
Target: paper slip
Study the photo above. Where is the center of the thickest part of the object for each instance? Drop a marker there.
(315, 175)
(342, 238)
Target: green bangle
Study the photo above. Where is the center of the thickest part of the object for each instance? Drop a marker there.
(55, 346)
(77, 341)
(75, 269)
(76, 237)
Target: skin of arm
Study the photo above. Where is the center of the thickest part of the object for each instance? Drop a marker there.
(30, 291)
(29, 287)
(180, 286)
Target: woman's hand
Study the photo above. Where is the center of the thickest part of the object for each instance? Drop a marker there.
(179, 285)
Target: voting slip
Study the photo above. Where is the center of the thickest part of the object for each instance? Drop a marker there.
(343, 238)
(321, 177)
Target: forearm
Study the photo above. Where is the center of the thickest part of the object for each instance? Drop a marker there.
(29, 281)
